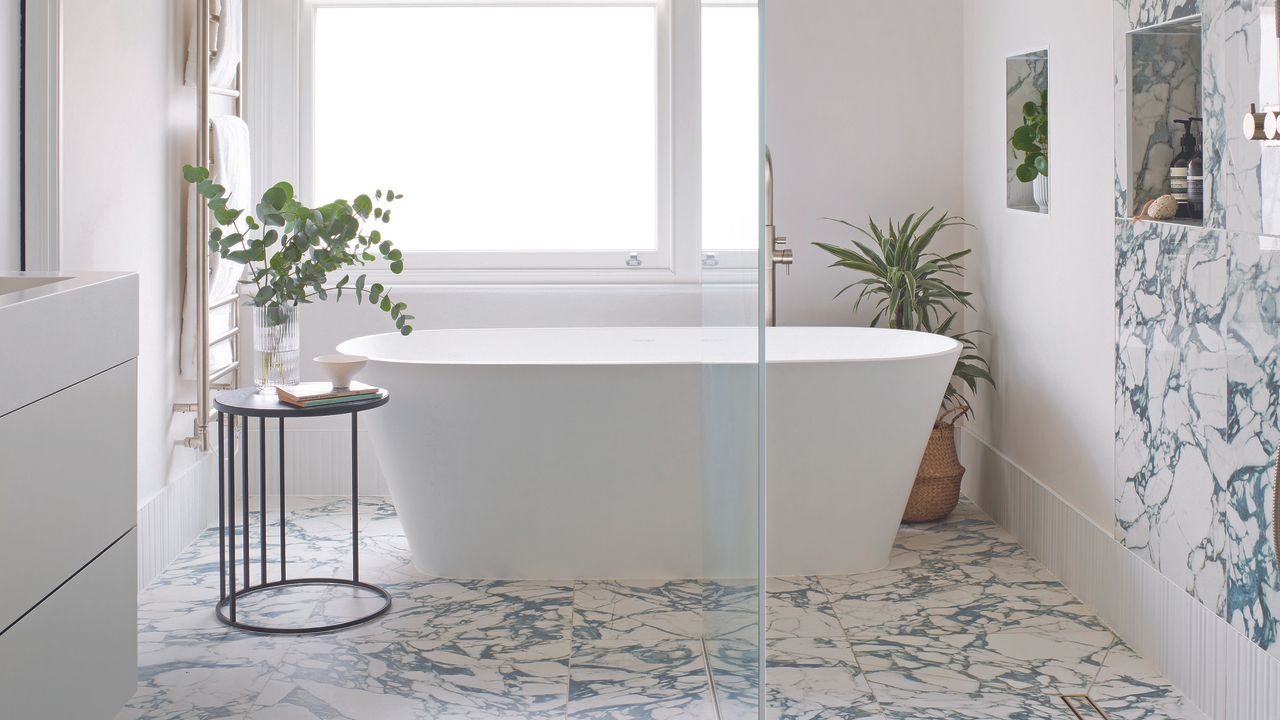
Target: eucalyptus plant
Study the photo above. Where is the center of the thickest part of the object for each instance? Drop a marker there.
(291, 249)
(1032, 139)
(912, 290)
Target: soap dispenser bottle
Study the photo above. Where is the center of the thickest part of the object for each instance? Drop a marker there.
(1195, 178)
(1179, 172)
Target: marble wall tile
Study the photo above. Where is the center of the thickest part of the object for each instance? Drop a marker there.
(1198, 350)
(1198, 332)
(1240, 69)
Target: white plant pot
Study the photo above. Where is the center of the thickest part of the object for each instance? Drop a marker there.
(1040, 192)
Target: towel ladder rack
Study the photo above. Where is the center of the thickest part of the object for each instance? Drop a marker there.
(228, 375)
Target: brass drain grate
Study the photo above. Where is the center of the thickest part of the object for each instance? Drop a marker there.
(1083, 707)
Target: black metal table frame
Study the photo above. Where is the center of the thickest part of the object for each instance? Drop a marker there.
(228, 592)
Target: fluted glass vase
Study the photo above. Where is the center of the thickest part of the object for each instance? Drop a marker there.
(276, 352)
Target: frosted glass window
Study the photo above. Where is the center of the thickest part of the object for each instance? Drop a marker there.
(507, 128)
(730, 128)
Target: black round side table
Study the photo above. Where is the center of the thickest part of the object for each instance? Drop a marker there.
(246, 403)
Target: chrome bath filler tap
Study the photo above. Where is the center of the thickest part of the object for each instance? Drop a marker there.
(776, 252)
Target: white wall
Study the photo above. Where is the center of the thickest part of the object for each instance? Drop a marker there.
(127, 128)
(1045, 285)
(861, 104)
(10, 167)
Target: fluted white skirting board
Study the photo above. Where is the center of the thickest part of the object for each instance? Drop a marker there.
(1214, 665)
(175, 516)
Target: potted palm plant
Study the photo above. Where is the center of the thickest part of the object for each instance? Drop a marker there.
(913, 288)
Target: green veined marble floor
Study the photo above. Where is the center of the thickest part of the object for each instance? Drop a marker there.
(962, 624)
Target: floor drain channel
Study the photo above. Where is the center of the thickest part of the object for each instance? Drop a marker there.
(1083, 707)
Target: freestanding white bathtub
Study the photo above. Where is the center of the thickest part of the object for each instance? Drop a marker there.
(579, 452)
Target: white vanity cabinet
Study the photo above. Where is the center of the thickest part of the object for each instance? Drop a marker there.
(68, 495)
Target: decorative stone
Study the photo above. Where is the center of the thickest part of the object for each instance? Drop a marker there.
(1164, 207)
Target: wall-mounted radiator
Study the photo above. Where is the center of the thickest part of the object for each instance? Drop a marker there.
(215, 96)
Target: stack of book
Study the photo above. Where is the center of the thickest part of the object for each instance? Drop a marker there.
(317, 394)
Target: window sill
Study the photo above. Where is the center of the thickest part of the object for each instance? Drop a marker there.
(638, 276)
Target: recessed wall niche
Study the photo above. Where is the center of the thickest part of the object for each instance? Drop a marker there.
(1027, 137)
(1165, 107)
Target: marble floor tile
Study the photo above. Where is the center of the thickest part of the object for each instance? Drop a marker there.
(1130, 688)
(1005, 593)
(1003, 674)
(639, 680)
(498, 610)
(638, 609)
(197, 673)
(731, 609)
(359, 679)
(808, 679)
(799, 608)
(961, 624)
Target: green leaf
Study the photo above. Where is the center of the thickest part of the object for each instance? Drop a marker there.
(225, 216)
(386, 303)
(1030, 109)
(1041, 164)
(194, 174)
(397, 266)
(1026, 173)
(363, 206)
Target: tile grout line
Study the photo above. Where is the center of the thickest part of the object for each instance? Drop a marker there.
(568, 663)
(1115, 640)
(871, 688)
(711, 681)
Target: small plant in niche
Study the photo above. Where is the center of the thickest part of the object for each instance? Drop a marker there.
(289, 251)
(1032, 140)
(914, 289)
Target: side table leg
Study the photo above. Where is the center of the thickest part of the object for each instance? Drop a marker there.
(282, 515)
(230, 460)
(222, 511)
(244, 505)
(355, 498)
(262, 498)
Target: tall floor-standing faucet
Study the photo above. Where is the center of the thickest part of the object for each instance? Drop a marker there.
(775, 251)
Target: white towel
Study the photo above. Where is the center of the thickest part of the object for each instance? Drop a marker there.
(226, 38)
(231, 169)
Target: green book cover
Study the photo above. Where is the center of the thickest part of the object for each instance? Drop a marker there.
(338, 401)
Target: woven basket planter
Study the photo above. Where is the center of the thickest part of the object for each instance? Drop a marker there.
(937, 489)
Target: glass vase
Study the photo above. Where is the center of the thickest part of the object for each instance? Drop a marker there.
(276, 351)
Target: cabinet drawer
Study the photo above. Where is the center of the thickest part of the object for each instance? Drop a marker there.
(75, 656)
(68, 484)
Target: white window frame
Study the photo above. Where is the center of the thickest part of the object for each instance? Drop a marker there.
(678, 257)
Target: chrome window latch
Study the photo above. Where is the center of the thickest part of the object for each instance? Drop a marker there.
(633, 260)
(709, 260)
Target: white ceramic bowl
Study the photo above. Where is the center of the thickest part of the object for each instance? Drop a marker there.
(341, 369)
